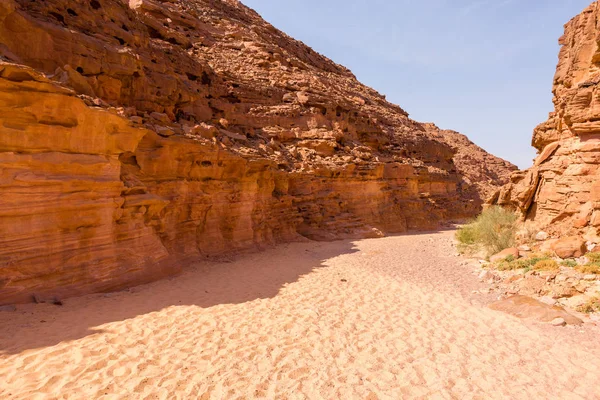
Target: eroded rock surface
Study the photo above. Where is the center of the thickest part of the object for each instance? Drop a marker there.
(561, 192)
(529, 308)
(136, 135)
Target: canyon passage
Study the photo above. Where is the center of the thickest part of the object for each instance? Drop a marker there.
(377, 318)
(140, 136)
(204, 207)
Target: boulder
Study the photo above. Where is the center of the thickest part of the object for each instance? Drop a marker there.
(569, 247)
(504, 254)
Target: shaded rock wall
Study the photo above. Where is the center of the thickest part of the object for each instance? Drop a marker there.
(137, 136)
(561, 192)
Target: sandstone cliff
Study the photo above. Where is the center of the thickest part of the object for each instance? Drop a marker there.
(137, 135)
(561, 192)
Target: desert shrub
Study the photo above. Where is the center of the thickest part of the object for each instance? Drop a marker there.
(593, 265)
(546, 265)
(592, 305)
(569, 263)
(466, 235)
(525, 263)
(506, 265)
(493, 230)
(590, 268)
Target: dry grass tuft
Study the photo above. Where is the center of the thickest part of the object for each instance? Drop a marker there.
(544, 260)
(590, 268)
(591, 306)
(593, 265)
(546, 265)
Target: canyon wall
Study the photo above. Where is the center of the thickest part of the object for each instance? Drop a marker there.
(138, 136)
(560, 194)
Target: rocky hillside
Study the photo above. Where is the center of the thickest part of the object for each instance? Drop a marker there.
(138, 135)
(480, 171)
(561, 192)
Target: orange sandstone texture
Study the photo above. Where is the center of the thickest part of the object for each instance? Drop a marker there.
(561, 192)
(138, 135)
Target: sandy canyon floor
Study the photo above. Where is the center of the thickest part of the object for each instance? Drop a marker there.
(374, 319)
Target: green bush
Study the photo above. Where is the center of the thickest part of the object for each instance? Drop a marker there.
(494, 230)
(466, 235)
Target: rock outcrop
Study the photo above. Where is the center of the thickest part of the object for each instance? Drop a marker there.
(136, 135)
(480, 171)
(561, 192)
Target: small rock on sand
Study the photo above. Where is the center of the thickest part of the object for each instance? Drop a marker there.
(485, 275)
(8, 308)
(558, 322)
(39, 299)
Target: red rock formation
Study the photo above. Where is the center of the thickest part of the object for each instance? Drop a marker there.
(479, 170)
(135, 135)
(561, 192)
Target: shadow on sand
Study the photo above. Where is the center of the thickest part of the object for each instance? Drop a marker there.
(253, 276)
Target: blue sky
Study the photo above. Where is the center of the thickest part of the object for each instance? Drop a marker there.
(481, 67)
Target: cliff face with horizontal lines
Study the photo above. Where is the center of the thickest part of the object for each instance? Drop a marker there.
(561, 192)
(137, 136)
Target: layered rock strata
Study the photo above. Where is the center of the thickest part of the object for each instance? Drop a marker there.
(138, 135)
(561, 192)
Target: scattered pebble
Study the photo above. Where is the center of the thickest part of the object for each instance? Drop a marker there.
(590, 246)
(39, 299)
(541, 236)
(8, 308)
(485, 275)
(558, 322)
